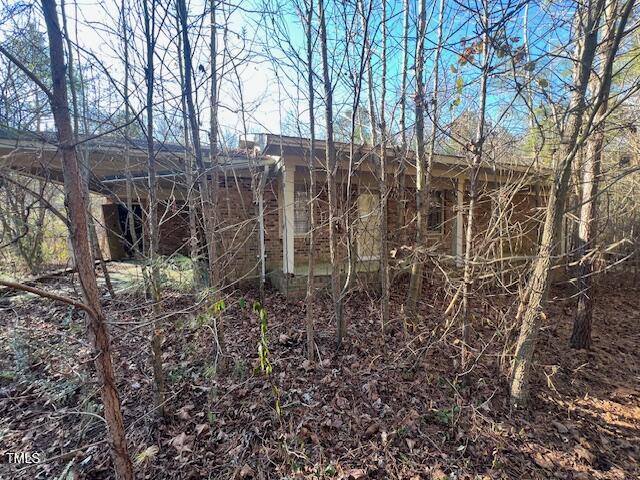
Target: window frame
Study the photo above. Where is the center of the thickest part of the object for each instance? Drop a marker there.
(438, 203)
(300, 189)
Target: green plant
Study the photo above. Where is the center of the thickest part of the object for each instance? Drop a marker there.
(239, 369)
(211, 417)
(263, 354)
(330, 470)
(445, 415)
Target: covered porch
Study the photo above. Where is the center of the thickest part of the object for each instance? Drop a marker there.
(289, 272)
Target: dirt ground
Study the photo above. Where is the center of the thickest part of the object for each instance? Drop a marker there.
(383, 407)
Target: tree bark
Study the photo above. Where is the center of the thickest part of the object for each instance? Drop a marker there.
(79, 234)
(199, 271)
(423, 162)
(212, 240)
(382, 181)
(129, 187)
(581, 334)
(332, 167)
(153, 220)
(587, 21)
(309, 301)
(476, 153)
(208, 207)
(401, 212)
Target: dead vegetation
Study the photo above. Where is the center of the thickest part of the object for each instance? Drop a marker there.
(382, 407)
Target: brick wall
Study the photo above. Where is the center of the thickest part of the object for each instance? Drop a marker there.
(239, 226)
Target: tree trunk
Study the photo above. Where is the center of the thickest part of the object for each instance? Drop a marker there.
(423, 165)
(199, 270)
(332, 167)
(382, 181)
(84, 156)
(401, 213)
(309, 301)
(477, 146)
(212, 240)
(581, 335)
(129, 187)
(587, 20)
(208, 207)
(153, 219)
(79, 234)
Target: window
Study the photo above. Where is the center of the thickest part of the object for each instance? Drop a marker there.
(435, 224)
(301, 213)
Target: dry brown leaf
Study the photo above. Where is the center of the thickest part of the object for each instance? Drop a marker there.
(181, 443)
(247, 472)
(584, 454)
(202, 427)
(354, 473)
(542, 461)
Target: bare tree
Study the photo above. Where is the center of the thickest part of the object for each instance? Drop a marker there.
(206, 196)
(149, 13)
(312, 184)
(401, 174)
(587, 22)
(423, 165)
(332, 167)
(476, 154)
(84, 156)
(581, 335)
(382, 179)
(75, 201)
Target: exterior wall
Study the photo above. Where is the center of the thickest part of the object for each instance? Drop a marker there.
(174, 229)
(404, 235)
(114, 250)
(238, 224)
(239, 227)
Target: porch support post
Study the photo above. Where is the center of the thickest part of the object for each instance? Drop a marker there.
(288, 199)
(460, 222)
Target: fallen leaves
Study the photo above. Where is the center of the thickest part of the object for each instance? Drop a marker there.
(182, 443)
(354, 415)
(247, 471)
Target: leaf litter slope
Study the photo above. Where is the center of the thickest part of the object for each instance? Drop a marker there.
(381, 408)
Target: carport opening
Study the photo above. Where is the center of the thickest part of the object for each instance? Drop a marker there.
(127, 234)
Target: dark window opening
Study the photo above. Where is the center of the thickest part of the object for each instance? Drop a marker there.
(435, 222)
(127, 234)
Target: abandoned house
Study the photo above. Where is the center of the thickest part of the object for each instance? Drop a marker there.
(263, 199)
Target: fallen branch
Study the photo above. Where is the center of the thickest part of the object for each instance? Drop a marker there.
(52, 296)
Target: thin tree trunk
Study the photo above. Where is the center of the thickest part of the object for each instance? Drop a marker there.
(332, 167)
(309, 301)
(478, 144)
(195, 253)
(208, 208)
(581, 335)
(401, 213)
(382, 181)
(154, 233)
(423, 165)
(129, 188)
(212, 240)
(587, 21)
(79, 234)
(84, 156)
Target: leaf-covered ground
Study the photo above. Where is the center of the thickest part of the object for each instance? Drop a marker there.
(383, 407)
